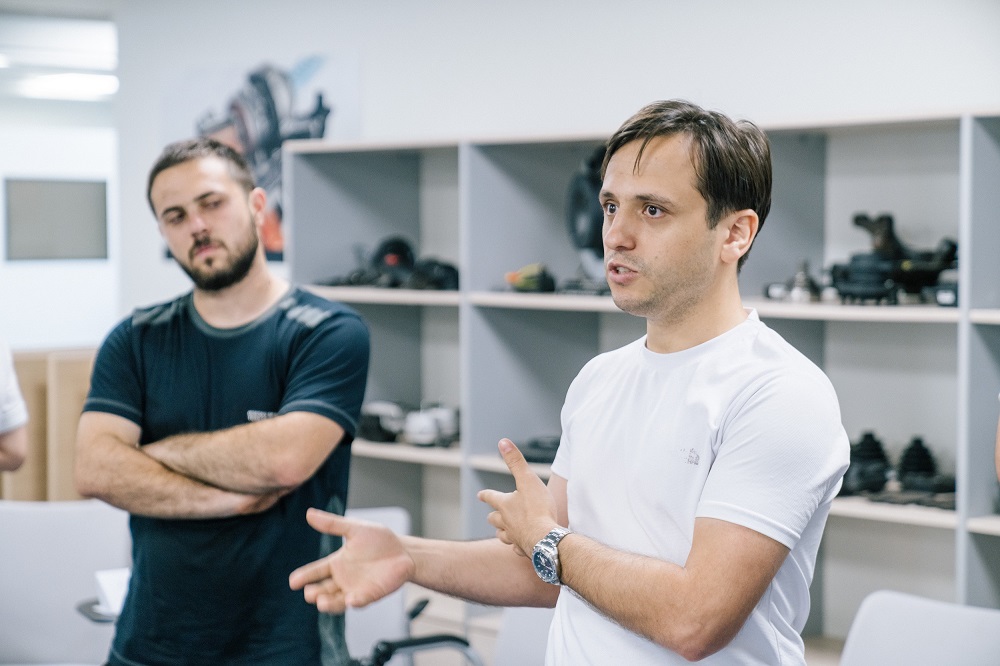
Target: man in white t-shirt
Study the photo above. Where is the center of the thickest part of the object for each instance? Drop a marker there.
(13, 415)
(697, 465)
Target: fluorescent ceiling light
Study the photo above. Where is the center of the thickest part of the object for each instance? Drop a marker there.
(69, 86)
(35, 41)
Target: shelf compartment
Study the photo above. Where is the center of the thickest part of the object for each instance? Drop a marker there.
(516, 208)
(900, 514)
(341, 203)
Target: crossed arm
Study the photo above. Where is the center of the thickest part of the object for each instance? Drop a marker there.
(695, 609)
(239, 470)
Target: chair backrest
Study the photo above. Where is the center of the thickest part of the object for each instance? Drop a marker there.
(896, 628)
(49, 553)
(522, 636)
(386, 619)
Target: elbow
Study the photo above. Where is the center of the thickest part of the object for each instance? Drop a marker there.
(11, 462)
(83, 478)
(13, 449)
(83, 486)
(695, 641)
(289, 473)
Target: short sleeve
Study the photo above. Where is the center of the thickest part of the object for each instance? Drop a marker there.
(329, 371)
(783, 452)
(13, 411)
(115, 386)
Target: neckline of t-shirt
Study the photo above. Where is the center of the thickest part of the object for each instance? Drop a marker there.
(671, 359)
(216, 332)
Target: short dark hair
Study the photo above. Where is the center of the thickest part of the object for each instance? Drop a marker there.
(193, 149)
(732, 159)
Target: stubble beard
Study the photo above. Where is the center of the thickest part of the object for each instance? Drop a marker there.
(207, 279)
(671, 298)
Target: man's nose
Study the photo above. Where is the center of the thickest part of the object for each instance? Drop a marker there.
(197, 224)
(618, 232)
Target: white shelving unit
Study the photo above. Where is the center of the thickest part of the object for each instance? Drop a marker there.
(506, 359)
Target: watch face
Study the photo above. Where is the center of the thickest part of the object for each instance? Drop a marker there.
(544, 566)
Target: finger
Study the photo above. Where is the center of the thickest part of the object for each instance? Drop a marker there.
(331, 603)
(495, 519)
(511, 455)
(313, 572)
(491, 497)
(328, 523)
(313, 591)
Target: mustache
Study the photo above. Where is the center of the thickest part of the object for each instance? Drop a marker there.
(200, 243)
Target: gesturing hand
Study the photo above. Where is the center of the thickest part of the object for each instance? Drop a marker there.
(524, 516)
(371, 564)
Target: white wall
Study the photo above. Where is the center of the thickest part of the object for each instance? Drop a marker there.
(69, 303)
(459, 68)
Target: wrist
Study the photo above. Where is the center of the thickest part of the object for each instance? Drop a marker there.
(545, 555)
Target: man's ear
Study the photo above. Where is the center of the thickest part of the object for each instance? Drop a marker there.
(257, 200)
(741, 228)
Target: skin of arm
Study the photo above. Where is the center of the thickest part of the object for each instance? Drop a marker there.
(110, 466)
(374, 562)
(274, 455)
(694, 610)
(13, 448)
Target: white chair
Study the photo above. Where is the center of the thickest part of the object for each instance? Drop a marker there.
(49, 553)
(523, 636)
(896, 628)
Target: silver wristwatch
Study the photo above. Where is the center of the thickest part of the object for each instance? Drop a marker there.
(545, 556)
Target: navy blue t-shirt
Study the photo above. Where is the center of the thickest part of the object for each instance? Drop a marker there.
(215, 591)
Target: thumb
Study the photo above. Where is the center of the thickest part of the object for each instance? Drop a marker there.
(514, 459)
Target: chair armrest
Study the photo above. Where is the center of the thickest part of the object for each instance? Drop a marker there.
(89, 609)
(385, 650)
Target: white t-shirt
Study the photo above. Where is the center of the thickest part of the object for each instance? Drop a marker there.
(13, 412)
(742, 428)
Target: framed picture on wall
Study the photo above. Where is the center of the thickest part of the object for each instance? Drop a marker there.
(55, 219)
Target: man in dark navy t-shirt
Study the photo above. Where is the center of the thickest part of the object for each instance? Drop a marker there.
(216, 420)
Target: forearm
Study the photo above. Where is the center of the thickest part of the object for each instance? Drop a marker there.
(486, 572)
(272, 456)
(650, 597)
(695, 609)
(124, 476)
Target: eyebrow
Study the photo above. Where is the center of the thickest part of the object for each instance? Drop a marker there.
(657, 199)
(198, 199)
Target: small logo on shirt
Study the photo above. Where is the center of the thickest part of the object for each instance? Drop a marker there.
(692, 457)
(254, 415)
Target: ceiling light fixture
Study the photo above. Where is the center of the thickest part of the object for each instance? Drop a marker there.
(69, 86)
